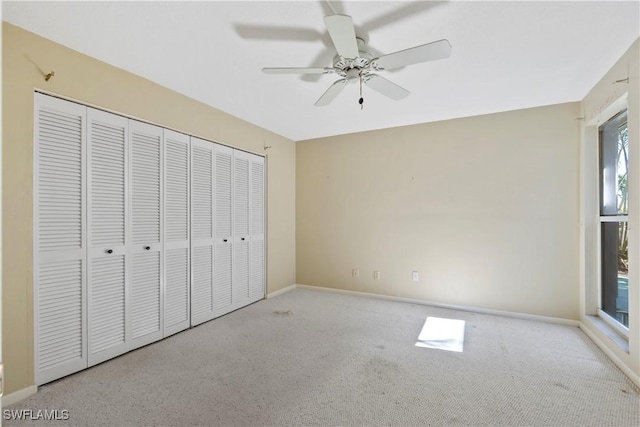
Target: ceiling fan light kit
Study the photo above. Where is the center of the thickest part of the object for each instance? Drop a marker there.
(355, 65)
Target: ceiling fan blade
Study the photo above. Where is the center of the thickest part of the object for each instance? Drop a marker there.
(386, 87)
(331, 93)
(426, 52)
(343, 35)
(325, 56)
(301, 70)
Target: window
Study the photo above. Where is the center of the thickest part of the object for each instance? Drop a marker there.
(614, 161)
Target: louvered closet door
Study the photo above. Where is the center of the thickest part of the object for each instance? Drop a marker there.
(146, 309)
(240, 228)
(176, 234)
(202, 248)
(59, 238)
(106, 231)
(222, 283)
(256, 228)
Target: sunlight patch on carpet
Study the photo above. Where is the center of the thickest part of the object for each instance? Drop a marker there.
(442, 334)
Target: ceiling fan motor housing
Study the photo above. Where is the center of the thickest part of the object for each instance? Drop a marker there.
(351, 67)
(345, 63)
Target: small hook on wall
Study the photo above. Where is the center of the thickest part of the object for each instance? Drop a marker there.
(48, 76)
(266, 147)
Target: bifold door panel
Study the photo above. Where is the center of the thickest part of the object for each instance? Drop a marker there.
(139, 233)
(176, 232)
(59, 227)
(241, 228)
(202, 181)
(222, 291)
(257, 229)
(146, 232)
(107, 220)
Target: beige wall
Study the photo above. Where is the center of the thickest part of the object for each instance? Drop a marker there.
(485, 208)
(25, 58)
(597, 107)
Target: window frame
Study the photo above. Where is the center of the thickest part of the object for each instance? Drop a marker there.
(618, 119)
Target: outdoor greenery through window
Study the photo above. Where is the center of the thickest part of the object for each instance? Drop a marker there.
(614, 203)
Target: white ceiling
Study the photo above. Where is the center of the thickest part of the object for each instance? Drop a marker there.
(506, 55)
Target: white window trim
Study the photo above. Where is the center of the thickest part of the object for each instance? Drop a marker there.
(614, 218)
(618, 327)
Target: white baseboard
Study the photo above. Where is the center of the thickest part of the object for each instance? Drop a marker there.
(281, 291)
(525, 316)
(19, 395)
(611, 355)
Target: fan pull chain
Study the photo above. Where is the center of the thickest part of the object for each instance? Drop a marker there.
(361, 100)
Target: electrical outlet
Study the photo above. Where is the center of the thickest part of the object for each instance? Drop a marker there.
(416, 276)
(376, 275)
(355, 273)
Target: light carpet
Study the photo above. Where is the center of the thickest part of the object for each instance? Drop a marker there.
(317, 358)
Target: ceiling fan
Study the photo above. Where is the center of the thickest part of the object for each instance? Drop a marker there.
(355, 65)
